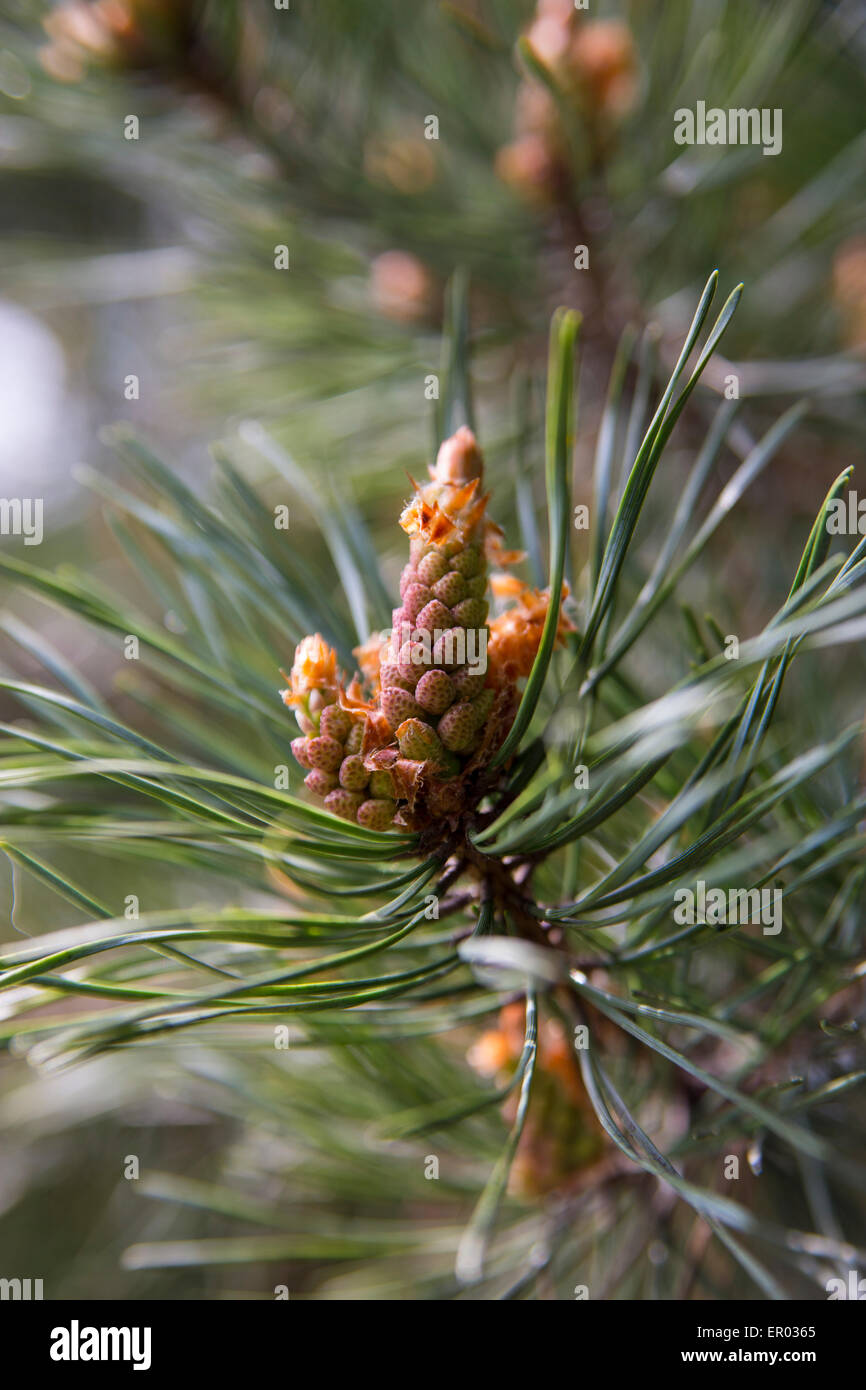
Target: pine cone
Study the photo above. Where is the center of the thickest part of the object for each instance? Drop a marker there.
(417, 751)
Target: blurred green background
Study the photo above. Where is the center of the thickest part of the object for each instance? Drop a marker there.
(306, 128)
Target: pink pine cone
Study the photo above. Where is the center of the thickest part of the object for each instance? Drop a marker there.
(355, 739)
(344, 804)
(467, 684)
(325, 753)
(300, 751)
(434, 616)
(411, 661)
(432, 567)
(382, 786)
(390, 675)
(417, 740)
(319, 782)
(435, 692)
(335, 723)
(353, 774)
(416, 597)
(482, 706)
(426, 711)
(476, 587)
(471, 612)
(467, 562)
(457, 727)
(450, 589)
(398, 705)
(377, 814)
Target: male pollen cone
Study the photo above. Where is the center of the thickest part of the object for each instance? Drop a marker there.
(407, 743)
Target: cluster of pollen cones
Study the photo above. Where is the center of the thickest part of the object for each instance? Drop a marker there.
(408, 741)
(593, 66)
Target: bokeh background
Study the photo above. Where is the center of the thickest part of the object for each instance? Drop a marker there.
(308, 128)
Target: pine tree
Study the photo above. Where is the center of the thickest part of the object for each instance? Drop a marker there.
(521, 955)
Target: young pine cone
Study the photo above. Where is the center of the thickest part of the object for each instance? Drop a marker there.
(415, 751)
